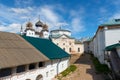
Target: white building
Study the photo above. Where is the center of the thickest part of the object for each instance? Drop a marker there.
(63, 39)
(41, 30)
(107, 34)
(30, 56)
(87, 45)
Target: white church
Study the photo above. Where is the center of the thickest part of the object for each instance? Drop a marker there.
(40, 31)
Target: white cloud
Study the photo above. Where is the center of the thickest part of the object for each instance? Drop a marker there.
(62, 24)
(77, 25)
(21, 16)
(49, 15)
(19, 10)
(115, 16)
(14, 27)
(23, 3)
(16, 16)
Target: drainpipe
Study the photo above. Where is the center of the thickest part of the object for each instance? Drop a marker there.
(58, 66)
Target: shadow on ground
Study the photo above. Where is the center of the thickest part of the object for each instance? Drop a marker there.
(86, 64)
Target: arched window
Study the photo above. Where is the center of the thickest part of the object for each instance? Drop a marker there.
(28, 79)
(63, 43)
(69, 49)
(78, 49)
(39, 77)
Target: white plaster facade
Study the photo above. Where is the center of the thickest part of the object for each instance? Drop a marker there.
(86, 46)
(67, 43)
(49, 71)
(105, 36)
(30, 33)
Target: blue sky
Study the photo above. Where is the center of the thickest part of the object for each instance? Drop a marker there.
(81, 17)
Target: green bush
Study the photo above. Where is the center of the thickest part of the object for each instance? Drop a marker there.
(100, 68)
(70, 69)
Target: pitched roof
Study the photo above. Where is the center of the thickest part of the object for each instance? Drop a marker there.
(15, 51)
(58, 36)
(59, 30)
(111, 22)
(47, 47)
(111, 47)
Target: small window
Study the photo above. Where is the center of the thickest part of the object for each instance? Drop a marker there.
(20, 69)
(69, 49)
(41, 64)
(32, 66)
(5, 72)
(57, 44)
(63, 43)
(69, 43)
(78, 49)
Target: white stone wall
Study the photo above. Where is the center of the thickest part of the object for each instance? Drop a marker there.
(104, 38)
(30, 33)
(46, 34)
(112, 36)
(98, 45)
(86, 46)
(81, 46)
(91, 46)
(67, 43)
(53, 69)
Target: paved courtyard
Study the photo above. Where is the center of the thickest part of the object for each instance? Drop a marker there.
(85, 70)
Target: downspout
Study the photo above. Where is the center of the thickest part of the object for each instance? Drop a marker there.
(59, 63)
(58, 66)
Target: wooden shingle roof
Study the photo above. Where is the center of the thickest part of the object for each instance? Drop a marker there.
(15, 51)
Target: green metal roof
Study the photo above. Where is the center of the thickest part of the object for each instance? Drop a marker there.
(111, 47)
(47, 47)
(111, 22)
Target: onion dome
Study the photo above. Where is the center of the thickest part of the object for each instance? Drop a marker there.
(29, 25)
(39, 24)
(45, 27)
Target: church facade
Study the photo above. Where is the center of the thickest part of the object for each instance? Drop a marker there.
(64, 40)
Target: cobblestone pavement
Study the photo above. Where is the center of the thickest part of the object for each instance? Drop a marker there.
(85, 70)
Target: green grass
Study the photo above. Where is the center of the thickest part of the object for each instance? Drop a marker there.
(100, 68)
(70, 69)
